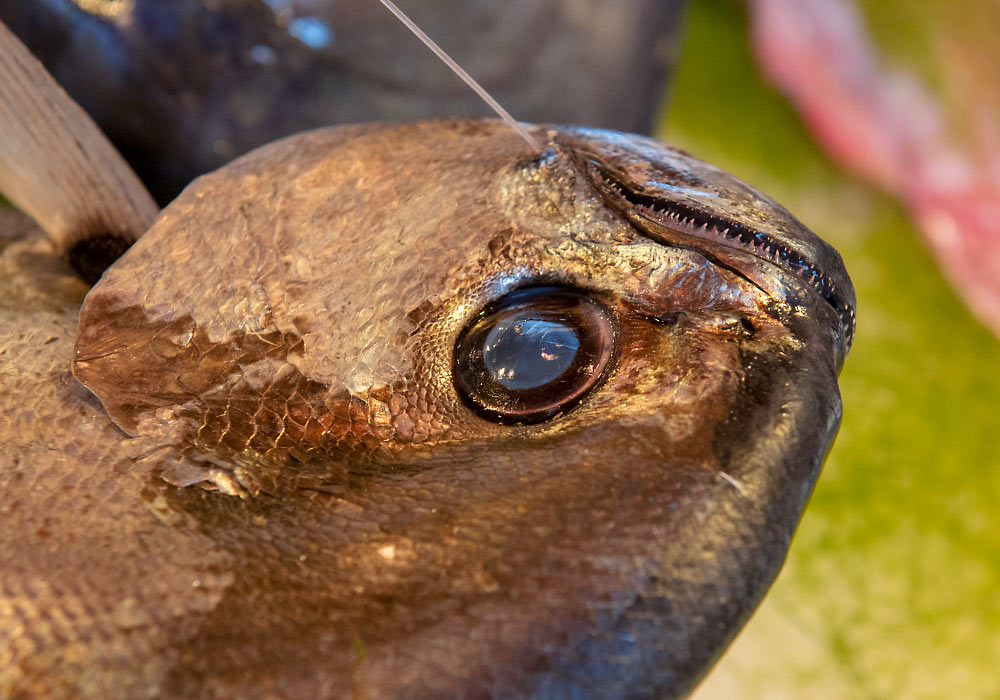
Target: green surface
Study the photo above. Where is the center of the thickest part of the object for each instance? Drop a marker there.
(892, 588)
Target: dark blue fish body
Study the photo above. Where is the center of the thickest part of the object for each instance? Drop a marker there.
(184, 86)
(404, 411)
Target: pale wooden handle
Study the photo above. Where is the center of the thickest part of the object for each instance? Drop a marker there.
(55, 164)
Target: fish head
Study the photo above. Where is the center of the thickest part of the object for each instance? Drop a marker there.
(467, 418)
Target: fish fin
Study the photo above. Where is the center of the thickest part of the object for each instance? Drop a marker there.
(55, 163)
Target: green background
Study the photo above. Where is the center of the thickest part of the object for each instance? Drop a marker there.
(892, 586)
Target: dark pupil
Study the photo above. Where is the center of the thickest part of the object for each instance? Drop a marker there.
(533, 354)
(529, 350)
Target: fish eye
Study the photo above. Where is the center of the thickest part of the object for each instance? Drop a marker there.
(534, 354)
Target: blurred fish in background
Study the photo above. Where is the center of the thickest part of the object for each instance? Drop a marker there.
(876, 121)
(183, 87)
(938, 151)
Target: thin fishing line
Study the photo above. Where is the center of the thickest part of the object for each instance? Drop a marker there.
(460, 72)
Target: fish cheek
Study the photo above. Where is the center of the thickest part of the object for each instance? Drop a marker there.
(680, 381)
(234, 412)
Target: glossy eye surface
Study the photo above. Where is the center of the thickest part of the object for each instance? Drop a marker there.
(533, 354)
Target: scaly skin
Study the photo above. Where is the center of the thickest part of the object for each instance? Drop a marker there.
(280, 493)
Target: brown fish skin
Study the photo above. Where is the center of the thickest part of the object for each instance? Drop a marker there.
(286, 331)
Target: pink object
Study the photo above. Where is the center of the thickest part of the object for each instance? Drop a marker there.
(885, 126)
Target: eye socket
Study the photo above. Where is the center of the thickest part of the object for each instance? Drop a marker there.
(533, 354)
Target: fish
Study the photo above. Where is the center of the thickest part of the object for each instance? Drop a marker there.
(411, 410)
(892, 130)
(183, 87)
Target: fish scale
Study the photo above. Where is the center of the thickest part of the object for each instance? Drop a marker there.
(275, 490)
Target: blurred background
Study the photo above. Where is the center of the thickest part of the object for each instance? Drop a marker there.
(892, 585)
(877, 122)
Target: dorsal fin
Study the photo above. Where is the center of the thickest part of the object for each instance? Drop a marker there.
(55, 163)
